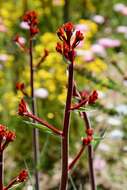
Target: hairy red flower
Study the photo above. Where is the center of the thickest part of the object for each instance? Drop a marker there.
(34, 31)
(66, 50)
(68, 27)
(22, 110)
(19, 41)
(60, 33)
(67, 47)
(59, 47)
(10, 136)
(23, 175)
(90, 132)
(31, 18)
(93, 97)
(2, 131)
(78, 37)
(84, 94)
(20, 86)
(87, 140)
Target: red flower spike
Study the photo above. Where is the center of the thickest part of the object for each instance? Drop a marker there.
(20, 86)
(2, 130)
(60, 34)
(10, 136)
(90, 132)
(34, 31)
(78, 37)
(59, 48)
(22, 176)
(93, 97)
(87, 140)
(31, 18)
(66, 50)
(69, 29)
(84, 94)
(17, 40)
(22, 110)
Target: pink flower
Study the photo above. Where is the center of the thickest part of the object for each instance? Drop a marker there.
(109, 43)
(2, 26)
(3, 57)
(122, 29)
(24, 25)
(99, 164)
(41, 93)
(99, 50)
(88, 55)
(57, 2)
(118, 7)
(124, 11)
(98, 19)
(82, 27)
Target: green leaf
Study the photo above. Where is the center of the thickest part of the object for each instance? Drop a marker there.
(88, 108)
(38, 126)
(15, 186)
(98, 139)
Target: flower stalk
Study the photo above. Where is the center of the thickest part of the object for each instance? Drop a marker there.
(65, 139)
(90, 154)
(66, 48)
(78, 156)
(35, 131)
(1, 170)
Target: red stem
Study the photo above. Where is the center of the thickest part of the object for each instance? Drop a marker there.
(35, 131)
(76, 158)
(65, 139)
(1, 170)
(12, 182)
(90, 154)
(90, 150)
(77, 106)
(45, 123)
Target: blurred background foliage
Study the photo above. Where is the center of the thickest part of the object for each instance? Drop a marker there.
(100, 65)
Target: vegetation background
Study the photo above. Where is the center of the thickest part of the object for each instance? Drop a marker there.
(100, 65)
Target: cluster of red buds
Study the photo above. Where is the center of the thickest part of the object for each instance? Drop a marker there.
(65, 34)
(93, 97)
(30, 18)
(20, 86)
(43, 57)
(23, 175)
(22, 109)
(6, 137)
(20, 41)
(89, 138)
(85, 98)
